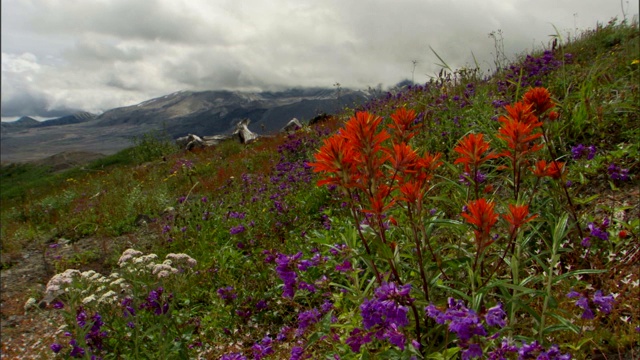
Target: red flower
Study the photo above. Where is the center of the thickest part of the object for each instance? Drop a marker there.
(517, 216)
(553, 169)
(471, 149)
(540, 100)
(521, 112)
(403, 124)
(480, 214)
(404, 159)
(361, 132)
(336, 157)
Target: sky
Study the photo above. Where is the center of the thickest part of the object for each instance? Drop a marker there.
(59, 56)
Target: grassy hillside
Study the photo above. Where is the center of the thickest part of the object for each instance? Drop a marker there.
(470, 216)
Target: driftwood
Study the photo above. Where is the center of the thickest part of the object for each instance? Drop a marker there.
(243, 133)
(292, 125)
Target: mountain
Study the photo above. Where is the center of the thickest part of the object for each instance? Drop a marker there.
(24, 122)
(202, 113)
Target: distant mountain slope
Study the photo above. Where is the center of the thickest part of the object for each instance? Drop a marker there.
(202, 113)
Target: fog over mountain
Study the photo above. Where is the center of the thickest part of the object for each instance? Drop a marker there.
(60, 57)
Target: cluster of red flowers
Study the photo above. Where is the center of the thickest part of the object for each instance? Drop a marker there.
(360, 157)
(520, 130)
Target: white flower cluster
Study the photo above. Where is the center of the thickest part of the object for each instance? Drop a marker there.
(93, 286)
(58, 282)
(136, 262)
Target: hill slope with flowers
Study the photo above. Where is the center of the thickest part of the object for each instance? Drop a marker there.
(468, 217)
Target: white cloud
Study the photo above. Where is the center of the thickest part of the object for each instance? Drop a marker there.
(99, 54)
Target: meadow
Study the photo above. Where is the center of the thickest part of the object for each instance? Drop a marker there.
(469, 217)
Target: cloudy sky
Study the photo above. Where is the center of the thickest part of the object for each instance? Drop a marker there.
(61, 55)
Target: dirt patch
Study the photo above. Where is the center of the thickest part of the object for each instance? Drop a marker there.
(68, 159)
(27, 334)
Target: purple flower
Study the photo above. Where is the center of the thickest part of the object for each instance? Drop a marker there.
(357, 338)
(55, 347)
(307, 318)
(228, 294)
(237, 229)
(81, 317)
(617, 173)
(586, 242)
(599, 231)
(344, 267)
(285, 266)
(462, 321)
(579, 151)
(262, 348)
(604, 303)
(58, 305)
(473, 351)
(496, 316)
(233, 356)
(306, 286)
(296, 353)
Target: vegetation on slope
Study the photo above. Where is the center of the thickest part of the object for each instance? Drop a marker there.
(451, 219)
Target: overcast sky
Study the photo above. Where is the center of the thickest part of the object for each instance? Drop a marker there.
(59, 55)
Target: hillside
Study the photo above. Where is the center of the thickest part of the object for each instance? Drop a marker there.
(468, 217)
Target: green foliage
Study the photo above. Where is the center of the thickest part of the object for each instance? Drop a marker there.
(251, 215)
(153, 146)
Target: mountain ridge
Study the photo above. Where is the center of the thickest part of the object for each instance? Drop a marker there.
(204, 113)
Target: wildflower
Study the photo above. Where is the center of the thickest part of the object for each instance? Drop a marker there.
(228, 294)
(462, 321)
(357, 338)
(518, 131)
(55, 347)
(306, 319)
(237, 229)
(599, 231)
(554, 169)
(403, 124)
(602, 303)
(540, 99)
(344, 267)
(496, 316)
(262, 348)
(296, 353)
(284, 269)
(336, 157)
(617, 173)
(480, 214)
(233, 356)
(579, 151)
(473, 351)
(517, 216)
(472, 149)
(58, 305)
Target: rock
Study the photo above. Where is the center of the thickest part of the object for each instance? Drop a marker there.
(292, 125)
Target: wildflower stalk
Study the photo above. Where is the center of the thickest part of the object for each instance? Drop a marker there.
(572, 208)
(559, 232)
(354, 213)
